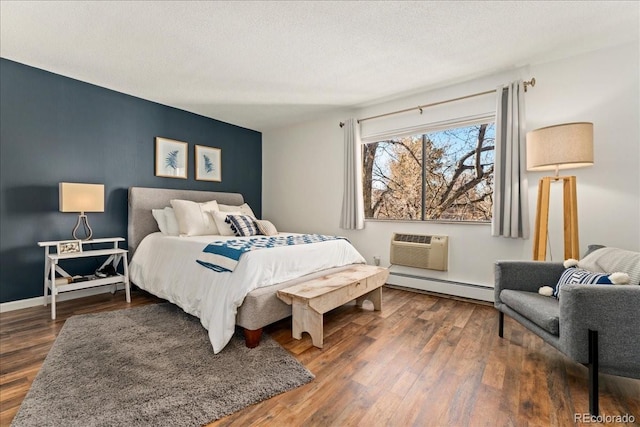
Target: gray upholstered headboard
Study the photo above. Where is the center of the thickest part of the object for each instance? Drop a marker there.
(142, 200)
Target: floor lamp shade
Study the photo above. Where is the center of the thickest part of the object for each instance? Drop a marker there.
(81, 198)
(564, 146)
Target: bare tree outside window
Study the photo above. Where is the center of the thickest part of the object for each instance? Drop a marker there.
(441, 175)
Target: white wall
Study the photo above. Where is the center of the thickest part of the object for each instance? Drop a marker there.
(303, 164)
(603, 88)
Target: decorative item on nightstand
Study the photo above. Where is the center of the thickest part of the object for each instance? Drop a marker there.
(69, 247)
(77, 197)
(563, 146)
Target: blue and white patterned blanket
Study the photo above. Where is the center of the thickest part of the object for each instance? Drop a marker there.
(224, 255)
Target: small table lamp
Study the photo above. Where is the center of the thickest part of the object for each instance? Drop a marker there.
(564, 146)
(76, 197)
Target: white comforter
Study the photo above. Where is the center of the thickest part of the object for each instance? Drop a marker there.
(166, 267)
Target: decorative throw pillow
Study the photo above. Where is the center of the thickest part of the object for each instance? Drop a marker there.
(224, 229)
(266, 227)
(613, 259)
(243, 225)
(193, 218)
(575, 275)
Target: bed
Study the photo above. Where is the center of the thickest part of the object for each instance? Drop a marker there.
(166, 267)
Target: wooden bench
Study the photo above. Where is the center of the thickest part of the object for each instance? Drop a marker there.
(310, 300)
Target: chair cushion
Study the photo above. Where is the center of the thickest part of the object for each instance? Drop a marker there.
(541, 310)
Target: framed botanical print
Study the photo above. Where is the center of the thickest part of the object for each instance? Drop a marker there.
(171, 158)
(208, 163)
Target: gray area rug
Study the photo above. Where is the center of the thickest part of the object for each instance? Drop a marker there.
(151, 366)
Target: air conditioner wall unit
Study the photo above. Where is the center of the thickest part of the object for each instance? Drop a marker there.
(420, 251)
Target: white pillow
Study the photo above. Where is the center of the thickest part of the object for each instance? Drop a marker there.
(159, 216)
(193, 218)
(224, 229)
(172, 222)
(244, 209)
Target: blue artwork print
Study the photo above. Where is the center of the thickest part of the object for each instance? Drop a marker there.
(208, 165)
(172, 160)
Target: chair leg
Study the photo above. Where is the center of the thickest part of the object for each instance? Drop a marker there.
(500, 324)
(593, 373)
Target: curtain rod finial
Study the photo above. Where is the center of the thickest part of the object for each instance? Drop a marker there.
(531, 83)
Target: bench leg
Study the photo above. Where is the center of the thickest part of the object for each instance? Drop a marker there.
(375, 296)
(252, 337)
(306, 319)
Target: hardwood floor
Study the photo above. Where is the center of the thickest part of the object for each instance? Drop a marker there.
(423, 361)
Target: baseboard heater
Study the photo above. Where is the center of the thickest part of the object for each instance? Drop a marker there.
(441, 286)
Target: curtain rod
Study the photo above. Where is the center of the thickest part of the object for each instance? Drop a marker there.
(531, 83)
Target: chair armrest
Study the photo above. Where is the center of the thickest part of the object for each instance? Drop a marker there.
(525, 276)
(613, 311)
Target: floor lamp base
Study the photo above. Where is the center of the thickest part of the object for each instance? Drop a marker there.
(571, 245)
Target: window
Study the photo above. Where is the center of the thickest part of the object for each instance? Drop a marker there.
(444, 174)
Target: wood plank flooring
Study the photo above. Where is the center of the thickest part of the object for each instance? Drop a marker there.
(423, 361)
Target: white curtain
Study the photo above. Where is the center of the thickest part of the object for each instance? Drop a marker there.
(510, 193)
(352, 217)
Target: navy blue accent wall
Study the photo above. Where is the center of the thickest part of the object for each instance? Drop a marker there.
(54, 129)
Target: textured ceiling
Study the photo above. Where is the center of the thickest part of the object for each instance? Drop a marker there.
(266, 64)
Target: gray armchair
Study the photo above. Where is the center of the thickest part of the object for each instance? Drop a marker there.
(596, 325)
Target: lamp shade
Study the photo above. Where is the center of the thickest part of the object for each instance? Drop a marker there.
(76, 197)
(564, 146)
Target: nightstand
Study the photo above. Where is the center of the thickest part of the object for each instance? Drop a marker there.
(65, 283)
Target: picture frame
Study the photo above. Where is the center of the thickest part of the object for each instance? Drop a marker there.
(208, 163)
(69, 247)
(171, 158)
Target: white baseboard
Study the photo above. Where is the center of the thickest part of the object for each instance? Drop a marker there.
(447, 287)
(64, 296)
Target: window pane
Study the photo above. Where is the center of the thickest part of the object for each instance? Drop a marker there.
(456, 177)
(393, 170)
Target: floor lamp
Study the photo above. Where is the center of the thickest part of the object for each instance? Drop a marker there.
(564, 146)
